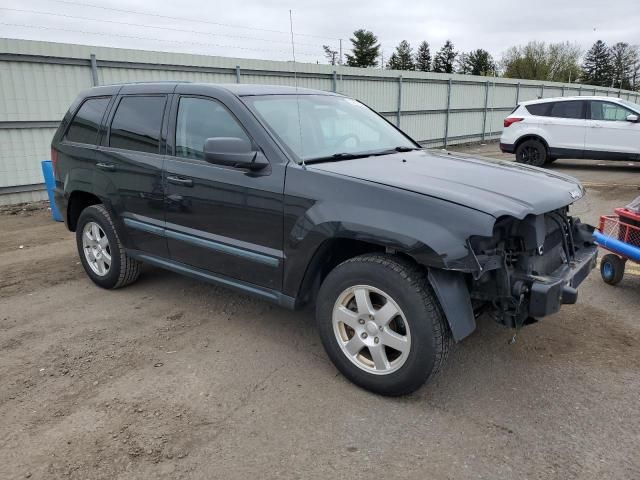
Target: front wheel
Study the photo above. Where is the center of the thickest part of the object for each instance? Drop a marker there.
(531, 152)
(381, 324)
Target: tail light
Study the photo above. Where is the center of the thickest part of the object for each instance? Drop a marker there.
(54, 160)
(509, 120)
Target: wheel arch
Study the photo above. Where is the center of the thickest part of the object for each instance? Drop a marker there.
(450, 287)
(77, 202)
(531, 136)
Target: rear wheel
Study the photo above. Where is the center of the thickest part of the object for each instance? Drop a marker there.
(101, 252)
(531, 152)
(612, 269)
(381, 325)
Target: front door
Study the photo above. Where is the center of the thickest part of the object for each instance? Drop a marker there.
(220, 219)
(609, 134)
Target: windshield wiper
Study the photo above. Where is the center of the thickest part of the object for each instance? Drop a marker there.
(336, 157)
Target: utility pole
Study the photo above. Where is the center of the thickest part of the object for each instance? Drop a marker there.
(340, 61)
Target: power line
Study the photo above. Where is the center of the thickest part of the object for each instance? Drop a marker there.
(42, 27)
(186, 19)
(63, 15)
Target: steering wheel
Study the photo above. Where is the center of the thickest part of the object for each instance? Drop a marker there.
(343, 139)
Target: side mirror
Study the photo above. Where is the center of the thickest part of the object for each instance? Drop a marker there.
(632, 118)
(233, 152)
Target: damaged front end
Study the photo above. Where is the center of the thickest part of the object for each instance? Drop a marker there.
(530, 267)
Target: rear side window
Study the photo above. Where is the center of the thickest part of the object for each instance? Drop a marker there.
(539, 109)
(567, 109)
(84, 126)
(199, 119)
(136, 124)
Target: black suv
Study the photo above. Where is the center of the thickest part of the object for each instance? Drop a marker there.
(305, 197)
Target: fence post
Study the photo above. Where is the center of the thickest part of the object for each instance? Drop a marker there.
(580, 91)
(486, 105)
(542, 91)
(563, 90)
(399, 112)
(518, 93)
(335, 81)
(446, 121)
(237, 73)
(94, 70)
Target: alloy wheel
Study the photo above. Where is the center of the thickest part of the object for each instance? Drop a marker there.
(371, 329)
(97, 251)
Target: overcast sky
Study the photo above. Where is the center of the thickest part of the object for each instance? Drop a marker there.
(259, 28)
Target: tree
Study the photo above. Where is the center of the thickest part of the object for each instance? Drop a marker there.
(423, 57)
(332, 55)
(365, 49)
(477, 62)
(402, 58)
(556, 62)
(444, 59)
(597, 68)
(623, 63)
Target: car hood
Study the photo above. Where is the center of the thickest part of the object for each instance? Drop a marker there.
(494, 187)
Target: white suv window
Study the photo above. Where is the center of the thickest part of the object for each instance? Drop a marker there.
(570, 109)
(607, 111)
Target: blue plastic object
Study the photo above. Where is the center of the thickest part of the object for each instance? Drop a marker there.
(616, 246)
(50, 182)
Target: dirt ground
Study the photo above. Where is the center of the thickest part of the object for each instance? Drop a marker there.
(173, 378)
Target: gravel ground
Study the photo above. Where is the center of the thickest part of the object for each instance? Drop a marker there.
(172, 378)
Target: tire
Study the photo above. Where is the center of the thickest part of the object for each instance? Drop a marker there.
(612, 269)
(121, 270)
(531, 152)
(390, 283)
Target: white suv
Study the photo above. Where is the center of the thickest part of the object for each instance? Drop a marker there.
(598, 128)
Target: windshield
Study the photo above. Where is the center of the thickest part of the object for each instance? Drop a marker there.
(633, 106)
(324, 126)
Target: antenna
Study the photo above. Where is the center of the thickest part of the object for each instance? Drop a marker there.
(295, 81)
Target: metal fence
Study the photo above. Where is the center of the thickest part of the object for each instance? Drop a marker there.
(38, 81)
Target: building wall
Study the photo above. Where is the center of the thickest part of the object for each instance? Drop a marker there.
(38, 81)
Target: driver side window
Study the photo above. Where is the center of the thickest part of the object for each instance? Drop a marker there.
(199, 119)
(609, 112)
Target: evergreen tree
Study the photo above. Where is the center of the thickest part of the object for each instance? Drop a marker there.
(402, 58)
(596, 68)
(423, 57)
(365, 49)
(331, 55)
(622, 64)
(444, 59)
(480, 62)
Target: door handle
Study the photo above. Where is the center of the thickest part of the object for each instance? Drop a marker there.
(185, 182)
(109, 167)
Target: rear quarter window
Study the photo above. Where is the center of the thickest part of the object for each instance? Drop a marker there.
(85, 124)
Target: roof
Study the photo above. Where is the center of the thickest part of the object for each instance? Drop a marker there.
(238, 89)
(560, 99)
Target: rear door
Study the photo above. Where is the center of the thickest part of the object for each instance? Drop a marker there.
(129, 165)
(566, 127)
(221, 219)
(609, 135)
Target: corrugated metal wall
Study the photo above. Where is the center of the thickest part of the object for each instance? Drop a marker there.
(38, 81)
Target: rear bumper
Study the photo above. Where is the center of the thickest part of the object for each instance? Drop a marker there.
(507, 148)
(61, 201)
(549, 293)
